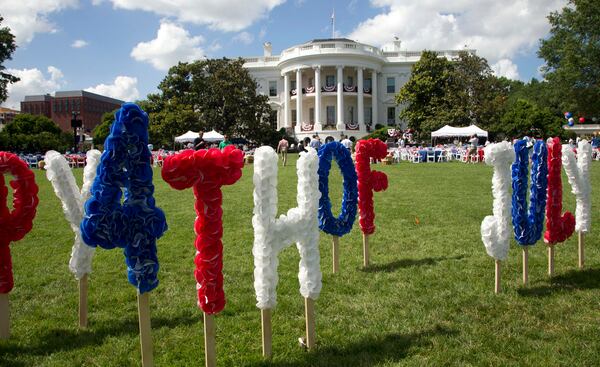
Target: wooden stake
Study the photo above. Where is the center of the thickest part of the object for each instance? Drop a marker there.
(265, 316)
(83, 301)
(145, 329)
(525, 265)
(498, 275)
(309, 311)
(336, 254)
(581, 255)
(210, 347)
(365, 250)
(4, 316)
(550, 260)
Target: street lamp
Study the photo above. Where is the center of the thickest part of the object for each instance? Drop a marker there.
(75, 123)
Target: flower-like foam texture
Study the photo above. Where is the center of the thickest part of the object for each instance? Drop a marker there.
(327, 222)
(495, 229)
(578, 174)
(206, 171)
(59, 173)
(528, 227)
(368, 180)
(136, 223)
(559, 226)
(299, 225)
(15, 224)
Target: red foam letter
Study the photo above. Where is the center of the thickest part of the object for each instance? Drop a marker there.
(559, 226)
(369, 181)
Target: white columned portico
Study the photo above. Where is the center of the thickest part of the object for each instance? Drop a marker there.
(340, 99)
(318, 125)
(286, 106)
(374, 102)
(361, 101)
(298, 100)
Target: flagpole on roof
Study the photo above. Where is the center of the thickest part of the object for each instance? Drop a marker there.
(333, 23)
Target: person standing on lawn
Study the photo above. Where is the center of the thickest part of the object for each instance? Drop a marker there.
(225, 142)
(282, 148)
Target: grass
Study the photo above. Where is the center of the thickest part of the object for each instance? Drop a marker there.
(427, 299)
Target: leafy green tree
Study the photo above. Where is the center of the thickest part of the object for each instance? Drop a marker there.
(209, 94)
(101, 131)
(34, 134)
(7, 47)
(526, 118)
(572, 54)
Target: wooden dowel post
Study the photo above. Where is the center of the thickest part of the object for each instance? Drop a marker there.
(145, 329)
(365, 250)
(336, 254)
(525, 265)
(498, 278)
(265, 316)
(4, 316)
(309, 311)
(83, 301)
(210, 347)
(550, 260)
(581, 254)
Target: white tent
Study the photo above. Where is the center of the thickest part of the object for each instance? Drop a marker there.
(212, 136)
(449, 131)
(188, 137)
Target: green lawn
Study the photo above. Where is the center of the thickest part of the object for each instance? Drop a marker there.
(427, 299)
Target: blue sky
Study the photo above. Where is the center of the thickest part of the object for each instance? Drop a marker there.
(123, 48)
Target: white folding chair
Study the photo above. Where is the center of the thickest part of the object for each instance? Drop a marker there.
(430, 156)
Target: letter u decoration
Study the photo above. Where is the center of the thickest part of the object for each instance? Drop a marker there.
(14, 225)
(337, 227)
(134, 224)
(528, 224)
(559, 226)
(207, 171)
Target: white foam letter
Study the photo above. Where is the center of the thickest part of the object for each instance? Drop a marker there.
(578, 173)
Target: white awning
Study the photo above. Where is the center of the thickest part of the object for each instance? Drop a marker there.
(449, 131)
(188, 137)
(212, 136)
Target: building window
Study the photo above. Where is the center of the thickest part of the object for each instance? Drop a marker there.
(294, 118)
(273, 88)
(330, 80)
(311, 115)
(350, 117)
(273, 119)
(391, 115)
(367, 84)
(368, 115)
(293, 84)
(330, 115)
(311, 82)
(350, 81)
(391, 85)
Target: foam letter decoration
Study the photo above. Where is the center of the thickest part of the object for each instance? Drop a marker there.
(528, 227)
(369, 181)
(495, 229)
(299, 225)
(206, 171)
(136, 223)
(59, 173)
(15, 224)
(327, 222)
(578, 174)
(559, 226)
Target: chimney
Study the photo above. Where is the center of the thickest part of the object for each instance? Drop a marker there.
(267, 48)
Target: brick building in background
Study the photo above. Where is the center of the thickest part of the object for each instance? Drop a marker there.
(89, 106)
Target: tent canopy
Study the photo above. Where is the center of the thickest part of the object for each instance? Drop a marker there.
(449, 131)
(212, 136)
(188, 137)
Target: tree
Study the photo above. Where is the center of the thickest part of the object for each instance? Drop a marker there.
(7, 47)
(102, 131)
(33, 134)
(571, 53)
(526, 118)
(209, 94)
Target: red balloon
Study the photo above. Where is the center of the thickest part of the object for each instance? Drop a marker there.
(581, 120)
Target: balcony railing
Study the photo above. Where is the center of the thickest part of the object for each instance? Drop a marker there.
(330, 89)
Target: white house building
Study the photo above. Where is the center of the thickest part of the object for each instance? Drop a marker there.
(334, 86)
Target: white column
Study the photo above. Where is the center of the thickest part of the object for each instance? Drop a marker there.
(361, 101)
(374, 101)
(340, 99)
(318, 124)
(298, 99)
(286, 104)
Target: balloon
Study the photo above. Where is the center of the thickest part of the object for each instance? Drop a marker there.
(581, 120)
(568, 115)
(571, 122)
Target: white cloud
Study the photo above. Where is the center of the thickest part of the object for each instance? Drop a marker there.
(123, 87)
(25, 18)
(225, 15)
(79, 44)
(244, 37)
(171, 45)
(32, 82)
(506, 68)
(496, 29)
